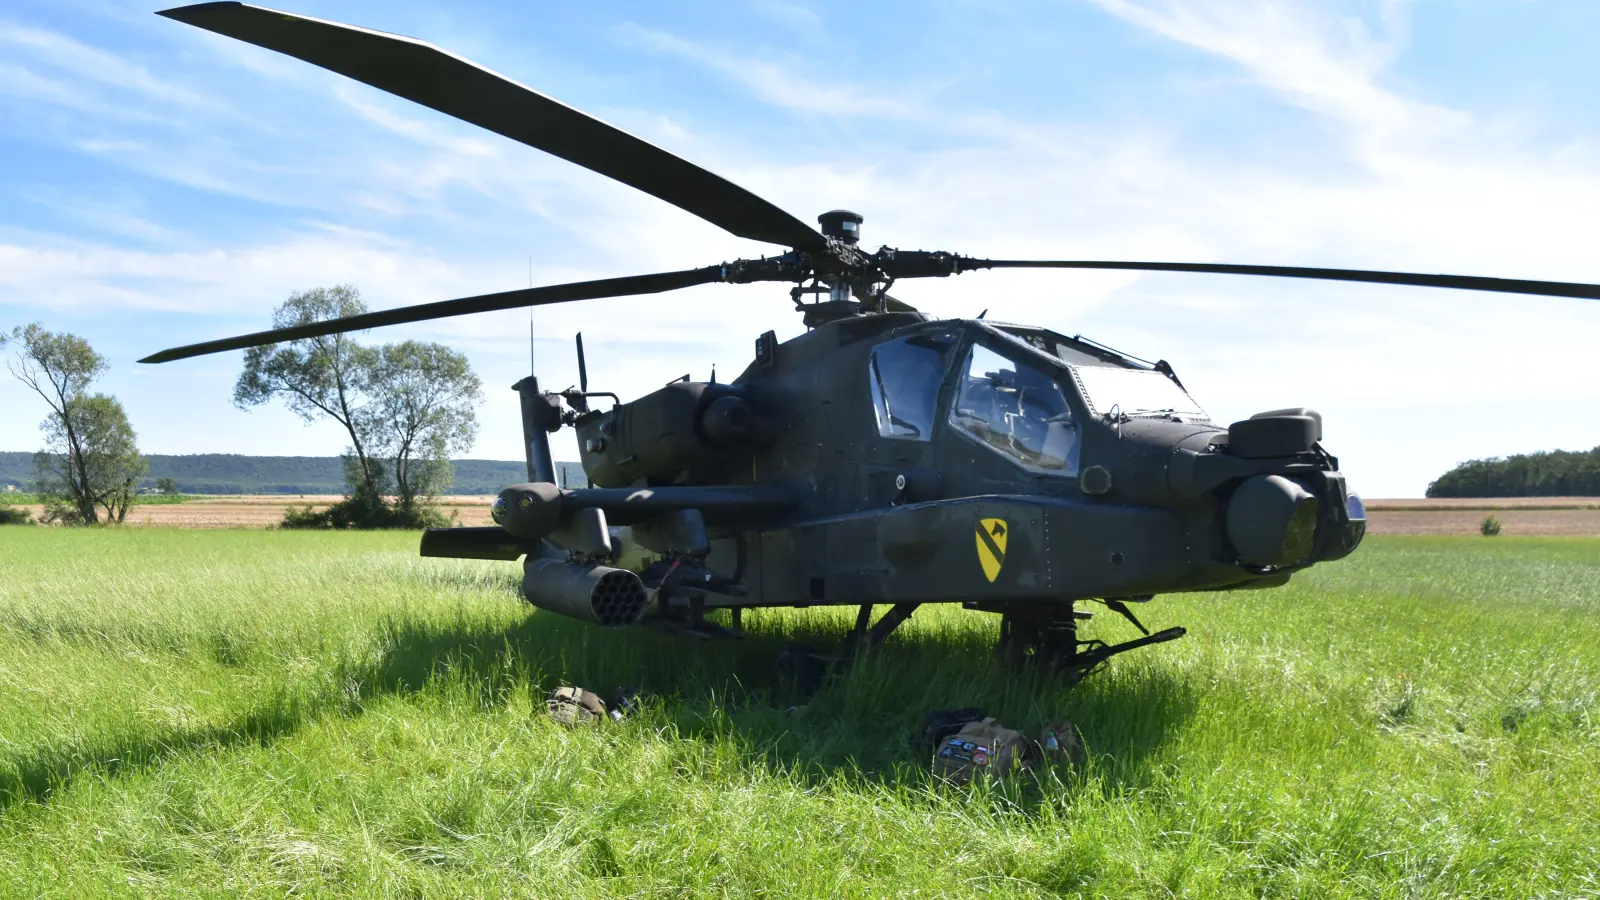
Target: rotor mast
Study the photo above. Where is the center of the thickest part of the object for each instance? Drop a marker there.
(843, 226)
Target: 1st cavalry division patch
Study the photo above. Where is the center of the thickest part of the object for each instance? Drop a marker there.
(992, 534)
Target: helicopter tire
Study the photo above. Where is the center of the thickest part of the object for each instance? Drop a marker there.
(1043, 635)
(799, 671)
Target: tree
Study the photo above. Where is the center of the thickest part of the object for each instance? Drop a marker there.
(319, 376)
(106, 457)
(422, 412)
(91, 461)
(406, 408)
(167, 485)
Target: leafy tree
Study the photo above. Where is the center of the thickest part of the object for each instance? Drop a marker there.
(167, 485)
(319, 376)
(91, 461)
(424, 396)
(406, 407)
(106, 456)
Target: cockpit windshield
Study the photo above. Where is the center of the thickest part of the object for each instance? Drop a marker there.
(1017, 408)
(1136, 393)
(904, 378)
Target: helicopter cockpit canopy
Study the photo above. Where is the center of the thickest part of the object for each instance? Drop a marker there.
(1015, 405)
(1135, 393)
(1112, 382)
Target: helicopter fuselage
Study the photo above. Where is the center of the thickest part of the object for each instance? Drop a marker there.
(961, 461)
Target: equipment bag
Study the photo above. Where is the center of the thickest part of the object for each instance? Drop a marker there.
(575, 706)
(982, 748)
(938, 724)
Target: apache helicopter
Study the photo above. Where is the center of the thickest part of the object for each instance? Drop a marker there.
(882, 457)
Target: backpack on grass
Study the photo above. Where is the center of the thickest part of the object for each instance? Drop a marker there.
(984, 748)
(575, 706)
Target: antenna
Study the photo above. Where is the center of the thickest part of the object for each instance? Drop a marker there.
(583, 369)
(532, 369)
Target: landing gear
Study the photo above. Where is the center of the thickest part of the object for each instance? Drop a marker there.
(801, 670)
(1047, 634)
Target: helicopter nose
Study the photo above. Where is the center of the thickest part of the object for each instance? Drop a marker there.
(1272, 521)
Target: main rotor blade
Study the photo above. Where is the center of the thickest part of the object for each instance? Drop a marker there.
(540, 296)
(1461, 282)
(423, 73)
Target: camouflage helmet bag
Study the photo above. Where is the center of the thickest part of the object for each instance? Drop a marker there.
(575, 706)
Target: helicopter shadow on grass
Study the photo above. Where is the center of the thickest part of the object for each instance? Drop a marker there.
(40, 773)
(859, 725)
(862, 722)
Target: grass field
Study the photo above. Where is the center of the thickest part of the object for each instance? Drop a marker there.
(235, 712)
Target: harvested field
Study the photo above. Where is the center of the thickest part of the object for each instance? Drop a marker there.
(1577, 516)
(1432, 504)
(1462, 515)
(266, 510)
(1462, 521)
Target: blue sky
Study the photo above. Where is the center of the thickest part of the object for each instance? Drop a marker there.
(160, 185)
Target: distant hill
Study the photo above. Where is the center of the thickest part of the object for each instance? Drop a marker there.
(1558, 473)
(229, 473)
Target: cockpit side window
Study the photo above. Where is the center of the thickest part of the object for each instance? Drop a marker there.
(904, 376)
(1017, 408)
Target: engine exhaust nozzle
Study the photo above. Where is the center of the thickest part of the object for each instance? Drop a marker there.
(614, 598)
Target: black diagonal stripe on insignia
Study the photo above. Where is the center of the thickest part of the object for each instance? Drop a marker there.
(999, 555)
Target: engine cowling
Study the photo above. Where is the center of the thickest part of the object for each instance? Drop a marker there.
(688, 430)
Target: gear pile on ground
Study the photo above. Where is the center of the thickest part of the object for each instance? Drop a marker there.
(967, 745)
(569, 705)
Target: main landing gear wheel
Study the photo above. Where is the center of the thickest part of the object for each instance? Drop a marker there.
(1046, 634)
(800, 671)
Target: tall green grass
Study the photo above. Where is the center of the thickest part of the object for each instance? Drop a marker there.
(266, 713)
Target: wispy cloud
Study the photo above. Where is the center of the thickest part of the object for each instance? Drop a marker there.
(1310, 55)
(95, 65)
(781, 85)
(796, 18)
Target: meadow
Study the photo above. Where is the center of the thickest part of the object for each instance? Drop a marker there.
(230, 712)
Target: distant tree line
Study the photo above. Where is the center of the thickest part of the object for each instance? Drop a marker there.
(1558, 473)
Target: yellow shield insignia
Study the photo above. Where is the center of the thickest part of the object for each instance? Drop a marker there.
(992, 534)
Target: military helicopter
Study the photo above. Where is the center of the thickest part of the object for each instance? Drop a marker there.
(882, 457)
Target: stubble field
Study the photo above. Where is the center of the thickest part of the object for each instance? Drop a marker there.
(229, 712)
(1517, 515)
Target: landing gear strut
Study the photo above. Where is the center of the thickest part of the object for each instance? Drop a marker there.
(801, 669)
(1047, 634)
